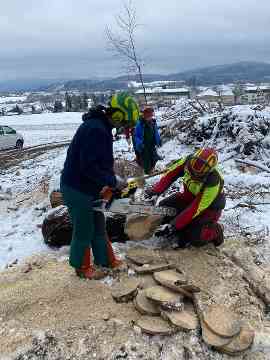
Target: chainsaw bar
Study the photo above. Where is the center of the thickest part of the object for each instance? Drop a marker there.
(124, 206)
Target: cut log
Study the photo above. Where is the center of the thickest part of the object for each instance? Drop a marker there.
(155, 326)
(115, 226)
(145, 306)
(142, 227)
(57, 227)
(222, 321)
(125, 291)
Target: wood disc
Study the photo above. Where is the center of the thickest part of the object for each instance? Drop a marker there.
(145, 306)
(126, 290)
(182, 319)
(213, 339)
(155, 326)
(240, 343)
(173, 280)
(162, 295)
(222, 321)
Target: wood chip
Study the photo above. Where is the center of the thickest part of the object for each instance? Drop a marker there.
(145, 306)
(155, 326)
(150, 269)
(222, 321)
(126, 290)
(174, 281)
(240, 343)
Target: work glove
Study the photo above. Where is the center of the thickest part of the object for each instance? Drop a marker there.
(149, 193)
(166, 230)
(121, 183)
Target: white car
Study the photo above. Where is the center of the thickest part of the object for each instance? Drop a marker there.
(10, 138)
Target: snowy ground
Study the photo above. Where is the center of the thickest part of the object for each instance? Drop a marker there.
(20, 235)
(44, 128)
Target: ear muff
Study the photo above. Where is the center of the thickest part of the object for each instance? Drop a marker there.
(118, 117)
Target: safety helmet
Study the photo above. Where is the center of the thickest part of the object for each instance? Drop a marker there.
(148, 111)
(202, 162)
(125, 111)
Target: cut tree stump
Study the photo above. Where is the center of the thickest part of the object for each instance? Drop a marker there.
(126, 290)
(142, 227)
(222, 321)
(155, 326)
(145, 306)
(240, 343)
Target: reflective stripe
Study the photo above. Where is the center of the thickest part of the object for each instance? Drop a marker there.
(209, 195)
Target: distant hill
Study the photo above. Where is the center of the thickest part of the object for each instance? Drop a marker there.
(212, 75)
(222, 74)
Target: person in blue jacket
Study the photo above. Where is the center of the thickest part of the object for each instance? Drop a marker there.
(88, 171)
(146, 139)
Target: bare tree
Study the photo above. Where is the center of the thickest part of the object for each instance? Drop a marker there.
(123, 43)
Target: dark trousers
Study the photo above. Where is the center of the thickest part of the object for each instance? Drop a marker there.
(203, 229)
(89, 228)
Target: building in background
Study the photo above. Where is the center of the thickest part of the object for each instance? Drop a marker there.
(161, 96)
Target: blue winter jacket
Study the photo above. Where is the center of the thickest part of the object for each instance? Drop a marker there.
(89, 162)
(139, 135)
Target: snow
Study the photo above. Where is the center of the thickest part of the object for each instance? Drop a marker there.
(20, 235)
(208, 92)
(161, 90)
(44, 128)
(12, 99)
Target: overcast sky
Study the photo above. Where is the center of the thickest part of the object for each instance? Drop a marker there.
(66, 38)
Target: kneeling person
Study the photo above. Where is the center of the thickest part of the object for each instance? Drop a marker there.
(201, 203)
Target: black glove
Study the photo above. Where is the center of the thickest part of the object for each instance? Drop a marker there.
(149, 193)
(166, 230)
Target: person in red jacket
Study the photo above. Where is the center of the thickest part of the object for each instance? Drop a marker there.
(201, 203)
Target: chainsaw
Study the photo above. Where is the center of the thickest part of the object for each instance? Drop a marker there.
(122, 202)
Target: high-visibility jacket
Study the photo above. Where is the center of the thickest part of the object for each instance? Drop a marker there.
(199, 195)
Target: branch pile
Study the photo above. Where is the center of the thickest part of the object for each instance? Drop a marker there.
(196, 123)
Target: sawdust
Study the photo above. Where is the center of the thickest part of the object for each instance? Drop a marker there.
(78, 318)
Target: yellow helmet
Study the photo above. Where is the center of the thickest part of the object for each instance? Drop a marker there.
(125, 111)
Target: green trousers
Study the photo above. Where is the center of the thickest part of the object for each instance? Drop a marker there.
(89, 229)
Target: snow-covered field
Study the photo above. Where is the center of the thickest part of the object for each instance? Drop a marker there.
(44, 128)
(20, 235)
